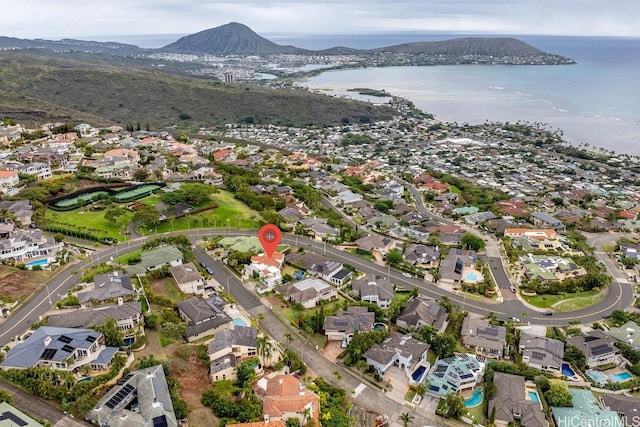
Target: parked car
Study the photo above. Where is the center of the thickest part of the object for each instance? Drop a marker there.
(606, 315)
(547, 313)
(209, 270)
(515, 319)
(407, 274)
(513, 289)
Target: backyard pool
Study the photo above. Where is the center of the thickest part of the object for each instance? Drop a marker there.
(239, 322)
(472, 277)
(475, 399)
(567, 371)
(40, 262)
(379, 327)
(533, 396)
(129, 341)
(620, 377)
(418, 373)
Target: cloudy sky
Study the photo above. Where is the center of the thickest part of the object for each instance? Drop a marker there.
(85, 18)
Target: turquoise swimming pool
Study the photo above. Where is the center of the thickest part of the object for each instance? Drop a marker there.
(239, 322)
(472, 277)
(622, 376)
(533, 396)
(40, 262)
(475, 399)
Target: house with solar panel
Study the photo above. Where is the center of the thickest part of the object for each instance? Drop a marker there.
(484, 338)
(10, 417)
(67, 349)
(452, 268)
(403, 351)
(541, 352)
(344, 324)
(140, 399)
(596, 346)
(456, 373)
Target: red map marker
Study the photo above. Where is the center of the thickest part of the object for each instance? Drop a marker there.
(269, 236)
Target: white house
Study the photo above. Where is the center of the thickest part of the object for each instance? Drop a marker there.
(8, 180)
(268, 269)
(188, 278)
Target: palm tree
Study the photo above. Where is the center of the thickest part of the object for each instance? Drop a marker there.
(406, 419)
(288, 337)
(338, 375)
(306, 415)
(265, 349)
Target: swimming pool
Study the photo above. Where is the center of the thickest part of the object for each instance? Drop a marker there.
(40, 262)
(379, 326)
(566, 370)
(239, 322)
(418, 373)
(472, 277)
(533, 396)
(597, 376)
(129, 341)
(475, 399)
(618, 378)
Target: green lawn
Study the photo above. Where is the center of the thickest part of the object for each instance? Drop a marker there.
(122, 259)
(292, 314)
(400, 297)
(566, 302)
(93, 222)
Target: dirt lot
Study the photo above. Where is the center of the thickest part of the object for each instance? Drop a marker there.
(191, 374)
(16, 283)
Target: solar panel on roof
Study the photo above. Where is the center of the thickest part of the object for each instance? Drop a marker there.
(489, 331)
(13, 418)
(125, 379)
(48, 354)
(465, 376)
(600, 349)
(458, 267)
(160, 421)
(90, 338)
(537, 355)
(68, 349)
(65, 339)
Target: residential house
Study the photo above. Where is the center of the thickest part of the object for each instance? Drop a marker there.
(331, 271)
(347, 197)
(291, 216)
(204, 317)
(188, 278)
(403, 351)
(512, 404)
(8, 180)
(128, 317)
(543, 219)
(268, 270)
(284, 397)
(426, 256)
(66, 349)
(155, 259)
(21, 209)
(122, 156)
(377, 290)
(309, 292)
(226, 155)
(629, 333)
(585, 411)
(344, 324)
(39, 169)
(423, 312)
(229, 348)
(454, 374)
(627, 407)
(140, 399)
(107, 287)
(10, 416)
(541, 352)
(23, 245)
(375, 242)
(270, 423)
(453, 267)
(486, 339)
(596, 346)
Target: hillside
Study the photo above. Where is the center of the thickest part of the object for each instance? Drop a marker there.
(466, 46)
(229, 39)
(113, 94)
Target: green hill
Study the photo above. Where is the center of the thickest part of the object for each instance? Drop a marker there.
(110, 93)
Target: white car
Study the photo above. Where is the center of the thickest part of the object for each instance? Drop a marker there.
(515, 319)
(407, 274)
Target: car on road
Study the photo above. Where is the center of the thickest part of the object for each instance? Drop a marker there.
(209, 270)
(513, 289)
(514, 319)
(407, 274)
(547, 313)
(606, 315)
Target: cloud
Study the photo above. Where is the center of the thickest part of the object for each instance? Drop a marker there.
(64, 18)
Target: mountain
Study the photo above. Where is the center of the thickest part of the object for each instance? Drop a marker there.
(229, 39)
(36, 89)
(71, 45)
(493, 46)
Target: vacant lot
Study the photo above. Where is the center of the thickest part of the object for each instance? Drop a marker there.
(16, 284)
(167, 287)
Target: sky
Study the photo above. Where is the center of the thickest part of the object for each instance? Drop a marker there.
(85, 18)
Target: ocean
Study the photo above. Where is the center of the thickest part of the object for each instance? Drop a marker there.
(595, 102)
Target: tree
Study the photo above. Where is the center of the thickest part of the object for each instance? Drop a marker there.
(293, 422)
(406, 419)
(112, 334)
(472, 242)
(114, 213)
(394, 257)
(450, 406)
(288, 337)
(576, 357)
(5, 396)
(265, 350)
(246, 374)
(558, 394)
(146, 215)
(58, 237)
(140, 174)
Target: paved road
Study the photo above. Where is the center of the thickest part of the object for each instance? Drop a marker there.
(38, 408)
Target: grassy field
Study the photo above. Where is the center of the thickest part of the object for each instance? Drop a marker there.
(292, 314)
(93, 222)
(566, 302)
(167, 288)
(122, 259)
(16, 284)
